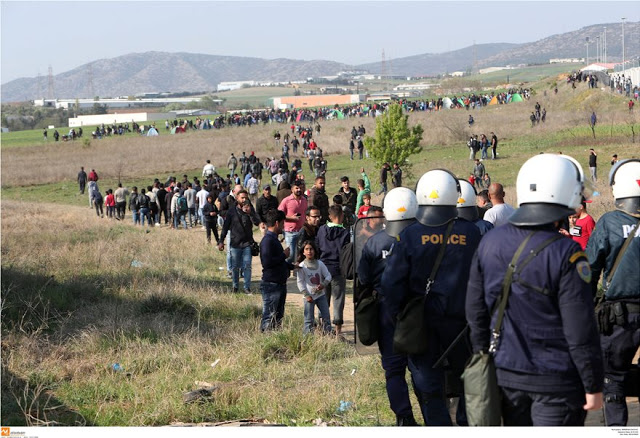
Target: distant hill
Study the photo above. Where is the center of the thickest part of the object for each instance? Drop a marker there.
(431, 64)
(176, 72)
(566, 45)
(160, 71)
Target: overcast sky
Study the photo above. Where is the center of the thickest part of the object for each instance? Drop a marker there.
(65, 35)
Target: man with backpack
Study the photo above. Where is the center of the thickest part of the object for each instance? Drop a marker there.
(134, 205)
(179, 208)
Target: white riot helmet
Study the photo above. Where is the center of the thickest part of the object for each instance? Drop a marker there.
(467, 208)
(437, 192)
(400, 206)
(549, 187)
(624, 179)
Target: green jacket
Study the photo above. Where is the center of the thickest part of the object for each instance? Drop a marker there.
(367, 189)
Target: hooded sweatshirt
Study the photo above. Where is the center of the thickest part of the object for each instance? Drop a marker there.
(330, 240)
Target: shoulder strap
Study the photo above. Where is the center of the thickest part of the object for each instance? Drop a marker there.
(626, 244)
(436, 265)
(508, 278)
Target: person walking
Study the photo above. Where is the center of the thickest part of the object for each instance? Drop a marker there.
(441, 243)
(210, 218)
(384, 175)
(494, 146)
(275, 271)
(82, 180)
(478, 174)
(593, 164)
(397, 176)
(547, 356)
(613, 251)
(239, 221)
(400, 208)
(294, 207)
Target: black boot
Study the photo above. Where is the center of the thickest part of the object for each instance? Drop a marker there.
(406, 421)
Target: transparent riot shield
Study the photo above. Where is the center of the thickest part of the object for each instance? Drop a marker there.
(363, 230)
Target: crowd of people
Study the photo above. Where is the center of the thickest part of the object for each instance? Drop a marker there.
(547, 376)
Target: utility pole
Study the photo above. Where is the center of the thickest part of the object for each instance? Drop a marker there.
(383, 70)
(51, 94)
(598, 48)
(605, 44)
(587, 50)
(623, 66)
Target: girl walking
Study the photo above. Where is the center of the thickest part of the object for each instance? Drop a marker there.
(313, 277)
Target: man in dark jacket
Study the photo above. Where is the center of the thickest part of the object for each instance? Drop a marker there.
(349, 194)
(265, 203)
(319, 199)
(330, 240)
(384, 174)
(239, 222)
(82, 180)
(310, 228)
(210, 216)
(547, 355)
(275, 271)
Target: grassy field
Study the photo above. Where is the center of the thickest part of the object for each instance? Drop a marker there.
(73, 305)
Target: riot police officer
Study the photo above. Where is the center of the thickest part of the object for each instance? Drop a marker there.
(548, 359)
(407, 276)
(619, 313)
(400, 206)
(468, 209)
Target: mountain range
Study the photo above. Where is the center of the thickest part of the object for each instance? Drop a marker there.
(188, 72)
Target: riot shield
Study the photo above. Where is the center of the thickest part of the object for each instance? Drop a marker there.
(363, 230)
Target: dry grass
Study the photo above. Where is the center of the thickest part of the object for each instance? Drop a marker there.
(567, 122)
(73, 306)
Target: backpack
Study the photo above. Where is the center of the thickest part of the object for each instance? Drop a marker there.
(134, 202)
(346, 261)
(182, 204)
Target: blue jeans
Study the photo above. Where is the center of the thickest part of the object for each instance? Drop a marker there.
(241, 259)
(179, 218)
(201, 216)
(291, 239)
(484, 153)
(274, 296)
(144, 214)
(309, 314)
(136, 217)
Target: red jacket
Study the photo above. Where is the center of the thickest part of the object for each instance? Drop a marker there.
(110, 200)
(93, 176)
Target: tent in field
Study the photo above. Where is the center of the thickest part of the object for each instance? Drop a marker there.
(152, 132)
(461, 102)
(516, 98)
(446, 103)
(493, 101)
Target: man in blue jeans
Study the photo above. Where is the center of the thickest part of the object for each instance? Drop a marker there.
(239, 221)
(275, 271)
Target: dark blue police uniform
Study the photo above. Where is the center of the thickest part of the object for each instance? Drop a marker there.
(370, 269)
(620, 344)
(548, 355)
(408, 269)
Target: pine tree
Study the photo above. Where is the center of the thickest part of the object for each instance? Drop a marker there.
(394, 141)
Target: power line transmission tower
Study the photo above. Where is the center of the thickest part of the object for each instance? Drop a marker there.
(383, 71)
(51, 92)
(90, 82)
